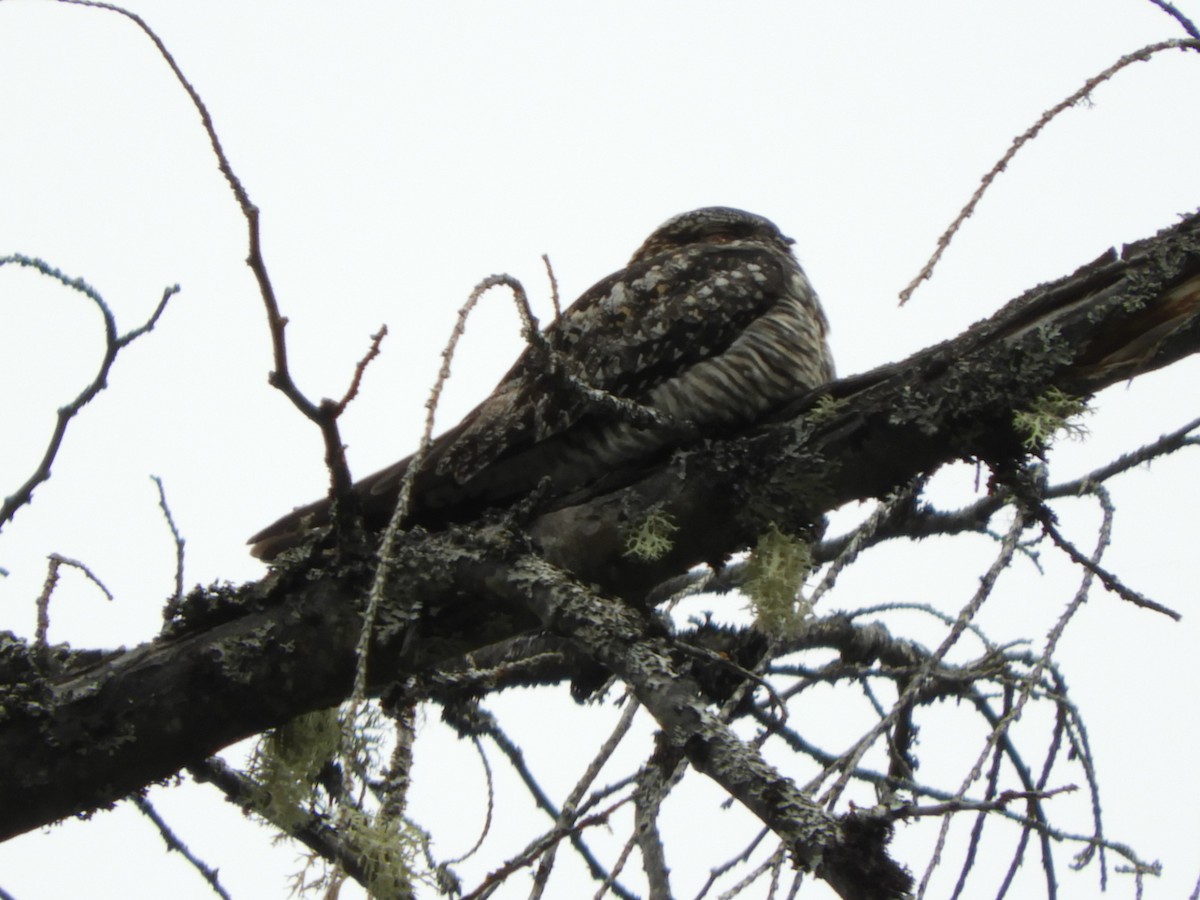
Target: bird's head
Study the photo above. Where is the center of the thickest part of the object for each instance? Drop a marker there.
(712, 225)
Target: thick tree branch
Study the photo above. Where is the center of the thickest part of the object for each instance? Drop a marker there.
(78, 735)
(634, 646)
(1114, 319)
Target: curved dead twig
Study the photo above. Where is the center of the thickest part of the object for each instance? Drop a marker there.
(1000, 729)
(618, 638)
(1032, 132)
(324, 414)
(359, 370)
(43, 600)
(717, 871)
(571, 807)
(172, 604)
(966, 614)
(114, 343)
(538, 847)
(1187, 24)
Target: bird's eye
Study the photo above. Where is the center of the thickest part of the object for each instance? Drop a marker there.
(722, 237)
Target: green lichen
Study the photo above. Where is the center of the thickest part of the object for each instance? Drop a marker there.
(1047, 416)
(290, 766)
(391, 851)
(650, 538)
(289, 759)
(775, 574)
(824, 409)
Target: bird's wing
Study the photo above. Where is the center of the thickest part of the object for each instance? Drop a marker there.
(627, 334)
(636, 329)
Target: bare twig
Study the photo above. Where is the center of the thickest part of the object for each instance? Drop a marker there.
(114, 343)
(43, 600)
(325, 414)
(860, 538)
(554, 298)
(1081, 750)
(538, 847)
(851, 759)
(1188, 25)
(654, 783)
(1060, 727)
(999, 731)
(925, 608)
(998, 803)
(1166, 444)
(772, 866)
(797, 743)
(749, 678)
(571, 806)
(356, 381)
(400, 514)
(172, 605)
(1032, 132)
(717, 871)
(474, 720)
(982, 818)
(923, 520)
(174, 843)
(390, 534)
(1107, 578)
(491, 806)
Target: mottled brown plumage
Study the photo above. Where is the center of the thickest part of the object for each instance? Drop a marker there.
(711, 325)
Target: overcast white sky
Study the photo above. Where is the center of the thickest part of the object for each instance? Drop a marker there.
(402, 151)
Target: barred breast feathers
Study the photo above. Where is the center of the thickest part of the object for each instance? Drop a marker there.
(746, 371)
(712, 324)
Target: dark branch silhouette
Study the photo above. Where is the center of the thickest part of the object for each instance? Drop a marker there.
(114, 343)
(237, 661)
(546, 591)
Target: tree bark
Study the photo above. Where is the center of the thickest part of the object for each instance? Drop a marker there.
(79, 731)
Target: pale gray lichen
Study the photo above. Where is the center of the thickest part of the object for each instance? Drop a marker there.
(775, 574)
(391, 850)
(287, 761)
(650, 538)
(824, 409)
(1047, 416)
(288, 765)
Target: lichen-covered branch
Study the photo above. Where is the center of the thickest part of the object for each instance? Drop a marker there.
(80, 730)
(634, 647)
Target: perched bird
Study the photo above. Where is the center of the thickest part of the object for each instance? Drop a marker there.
(711, 325)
